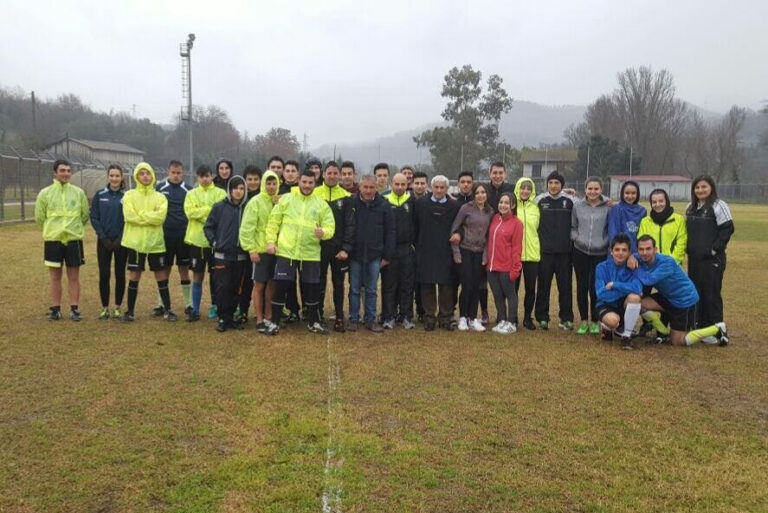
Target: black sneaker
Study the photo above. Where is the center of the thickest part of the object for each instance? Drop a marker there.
(170, 316)
(626, 343)
(607, 335)
(292, 317)
(221, 326)
(528, 323)
(74, 315)
(722, 334)
(158, 311)
(128, 317)
(317, 328)
(234, 325)
(338, 326)
(429, 325)
(661, 340)
(192, 316)
(261, 326)
(54, 314)
(645, 328)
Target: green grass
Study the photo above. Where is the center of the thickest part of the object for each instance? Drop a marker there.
(102, 416)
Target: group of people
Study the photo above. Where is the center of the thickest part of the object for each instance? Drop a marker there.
(268, 239)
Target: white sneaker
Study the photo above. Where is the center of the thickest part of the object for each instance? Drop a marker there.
(476, 325)
(722, 336)
(510, 328)
(463, 326)
(712, 340)
(499, 328)
(407, 324)
(388, 325)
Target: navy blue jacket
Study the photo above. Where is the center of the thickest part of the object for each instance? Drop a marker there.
(375, 233)
(175, 225)
(107, 213)
(669, 279)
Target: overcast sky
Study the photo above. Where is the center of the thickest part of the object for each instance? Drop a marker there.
(345, 71)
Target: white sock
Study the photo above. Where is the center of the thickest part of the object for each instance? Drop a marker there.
(631, 313)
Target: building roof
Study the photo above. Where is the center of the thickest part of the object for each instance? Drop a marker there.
(102, 145)
(651, 178)
(552, 155)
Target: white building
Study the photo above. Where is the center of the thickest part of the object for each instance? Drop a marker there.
(678, 187)
(539, 163)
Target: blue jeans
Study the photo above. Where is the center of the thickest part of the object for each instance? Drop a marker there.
(363, 275)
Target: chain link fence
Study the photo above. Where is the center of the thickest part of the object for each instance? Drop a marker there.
(23, 173)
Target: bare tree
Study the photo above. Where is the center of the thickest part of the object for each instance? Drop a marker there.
(729, 154)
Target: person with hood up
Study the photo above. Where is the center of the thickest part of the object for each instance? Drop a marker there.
(61, 210)
(107, 221)
(252, 175)
(253, 239)
(144, 211)
(626, 215)
(197, 206)
(224, 171)
(504, 251)
(589, 233)
(222, 230)
(295, 228)
(665, 226)
(529, 214)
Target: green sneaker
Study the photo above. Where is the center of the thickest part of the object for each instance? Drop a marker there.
(567, 325)
(213, 312)
(583, 328)
(544, 325)
(117, 314)
(104, 314)
(594, 329)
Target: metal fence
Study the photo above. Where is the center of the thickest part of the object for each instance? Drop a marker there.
(23, 173)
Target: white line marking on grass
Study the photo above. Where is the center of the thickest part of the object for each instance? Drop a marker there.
(333, 491)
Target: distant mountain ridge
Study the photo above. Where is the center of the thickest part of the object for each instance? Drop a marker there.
(527, 124)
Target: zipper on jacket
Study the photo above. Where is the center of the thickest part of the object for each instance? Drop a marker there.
(501, 221)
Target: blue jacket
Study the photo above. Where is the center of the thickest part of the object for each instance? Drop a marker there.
(624, 283)
(175, 225)
(669, 279)
(625, 218)
(107, 213)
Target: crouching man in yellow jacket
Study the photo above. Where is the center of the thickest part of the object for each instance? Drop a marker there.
(144, 210)
(61, 210)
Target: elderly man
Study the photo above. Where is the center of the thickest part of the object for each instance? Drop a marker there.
(433, 218)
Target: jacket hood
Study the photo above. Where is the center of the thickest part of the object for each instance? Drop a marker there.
(263, 185)
(139, 167)
(233, 181)
(519, 185)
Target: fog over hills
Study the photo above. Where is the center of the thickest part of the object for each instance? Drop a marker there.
(527, 123)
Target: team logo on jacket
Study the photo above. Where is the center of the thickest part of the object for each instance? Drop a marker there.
(406, 207)
(565, 202)
(340, 203)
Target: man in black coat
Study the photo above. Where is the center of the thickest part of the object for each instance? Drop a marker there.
(498, 184)
(433, 218)
(373, 248)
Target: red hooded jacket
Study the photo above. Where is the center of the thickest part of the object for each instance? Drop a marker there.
(505, 245)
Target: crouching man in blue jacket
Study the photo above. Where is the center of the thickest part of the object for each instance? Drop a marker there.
(676, 296)
(619, 293)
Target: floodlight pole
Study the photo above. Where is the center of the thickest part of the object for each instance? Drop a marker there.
(186, 79)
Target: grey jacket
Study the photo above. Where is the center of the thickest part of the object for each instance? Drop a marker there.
(472, 224)
(589, 227)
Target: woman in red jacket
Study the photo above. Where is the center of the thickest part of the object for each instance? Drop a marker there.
(504, 252)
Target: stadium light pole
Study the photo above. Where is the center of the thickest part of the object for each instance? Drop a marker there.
(185, 50)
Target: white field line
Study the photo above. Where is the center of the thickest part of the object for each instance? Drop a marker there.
(333, 491)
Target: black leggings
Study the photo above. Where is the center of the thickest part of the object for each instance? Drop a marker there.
(707, 275)
(228, 276)
(104, 257)
(339, 269)
(471, 275)
(529, 274)
(504, 295)
(586, 296)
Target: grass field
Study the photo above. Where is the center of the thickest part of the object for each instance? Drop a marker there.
(107, 417)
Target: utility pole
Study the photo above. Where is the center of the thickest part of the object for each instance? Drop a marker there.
(34, 114)
(185, 50)
(630, 161)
